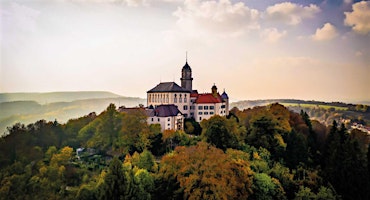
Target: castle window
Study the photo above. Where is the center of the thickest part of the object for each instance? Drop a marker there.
(200, 107)
(223, 106)
(205, 107)
(200, 118)
(180, 99)
(200, 113)
(168, 119)
(185, 107)
(185, 99)
(175, 99)
(158, 119)
(211, 113)
(167, 99)
(211, 107)
(152, 119)
(206, 113)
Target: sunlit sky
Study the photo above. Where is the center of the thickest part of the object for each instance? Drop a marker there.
(254, 49)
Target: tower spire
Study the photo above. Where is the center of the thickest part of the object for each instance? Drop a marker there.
(186, 57)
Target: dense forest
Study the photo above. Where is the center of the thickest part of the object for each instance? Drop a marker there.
(265, 152)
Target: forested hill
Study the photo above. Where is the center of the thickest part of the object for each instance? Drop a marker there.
(324, 112)
(51, 97)
(295, 102)
(27, 108)
(266, 152)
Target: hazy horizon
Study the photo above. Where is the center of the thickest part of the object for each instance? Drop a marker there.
(307, 50)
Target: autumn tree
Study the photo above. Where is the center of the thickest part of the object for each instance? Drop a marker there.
(204, 172)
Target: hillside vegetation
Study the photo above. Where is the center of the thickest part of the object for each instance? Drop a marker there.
(324, 112)
(29, 107)
(266, 152)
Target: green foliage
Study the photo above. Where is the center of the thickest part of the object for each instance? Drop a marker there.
(264, 133)
(297, 150)
(221, 132)
(264, 187)
(115, 184)
(192, 127)
(342, 156)
(260, 153)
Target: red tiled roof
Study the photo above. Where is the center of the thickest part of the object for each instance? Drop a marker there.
(194, 95)
(208, 98)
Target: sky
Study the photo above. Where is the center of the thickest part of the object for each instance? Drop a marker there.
(252, 49)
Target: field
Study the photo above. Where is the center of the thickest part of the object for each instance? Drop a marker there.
(305, 105)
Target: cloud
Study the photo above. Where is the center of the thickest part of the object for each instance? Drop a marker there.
(327, 32)
(216, 16)
(359, 18)
(291, 13)
(272, 35)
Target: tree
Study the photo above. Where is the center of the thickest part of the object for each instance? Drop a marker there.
(192, 127)
(265, 187)
(223, 133)
(344, 165)
(203, 172)
(263, 133)
(115, 182)
(296, 151)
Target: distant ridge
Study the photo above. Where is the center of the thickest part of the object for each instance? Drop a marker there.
(52, 97)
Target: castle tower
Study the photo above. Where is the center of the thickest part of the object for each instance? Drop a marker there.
(225, 98)
(214, 90)
(186, 79)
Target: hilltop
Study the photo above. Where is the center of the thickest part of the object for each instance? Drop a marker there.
(29, 107)
(50, 97)
(324, 112)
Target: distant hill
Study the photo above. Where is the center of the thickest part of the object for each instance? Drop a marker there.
(61, 106)
(324, 112)
(51, 97)
(292, 103)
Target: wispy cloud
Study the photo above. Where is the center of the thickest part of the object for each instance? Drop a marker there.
(272, 35)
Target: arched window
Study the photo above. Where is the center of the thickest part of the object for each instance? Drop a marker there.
(175, 99)
(149, 98)
(167, 98)
(185, 100)
(180, 99)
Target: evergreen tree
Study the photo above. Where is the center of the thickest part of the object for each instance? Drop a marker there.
(115, 182)
(296, 151)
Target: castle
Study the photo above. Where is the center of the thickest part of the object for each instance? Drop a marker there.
(168, 103)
